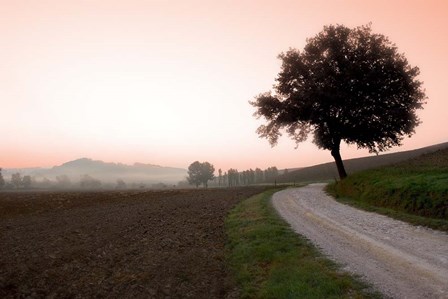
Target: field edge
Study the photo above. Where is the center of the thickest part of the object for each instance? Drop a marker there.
(270, 260)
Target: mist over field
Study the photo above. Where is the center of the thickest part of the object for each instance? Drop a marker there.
(74, 172)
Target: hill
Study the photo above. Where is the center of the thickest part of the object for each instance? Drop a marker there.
(418, 186)
(328, 171)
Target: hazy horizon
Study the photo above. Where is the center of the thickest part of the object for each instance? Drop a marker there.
(168, 83)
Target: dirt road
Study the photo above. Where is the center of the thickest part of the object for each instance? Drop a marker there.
(400, 260)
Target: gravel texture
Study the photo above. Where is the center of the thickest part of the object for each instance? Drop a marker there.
(400, 260)
(133, 244)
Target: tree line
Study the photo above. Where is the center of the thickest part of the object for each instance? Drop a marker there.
(16, 181)
(233, 177)
(19, 181)
(200, 173)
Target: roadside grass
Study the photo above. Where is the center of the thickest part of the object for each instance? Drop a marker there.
(271, 261)
(415, 191)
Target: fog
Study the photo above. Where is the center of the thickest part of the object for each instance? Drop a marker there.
(93, 174)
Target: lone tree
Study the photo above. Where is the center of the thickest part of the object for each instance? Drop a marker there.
(347, 85)
(200, 173)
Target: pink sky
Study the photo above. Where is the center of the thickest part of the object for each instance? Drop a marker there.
(168, 82)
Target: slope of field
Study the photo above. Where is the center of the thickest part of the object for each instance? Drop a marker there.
(418, 186)
(328, 171)
(116, 244)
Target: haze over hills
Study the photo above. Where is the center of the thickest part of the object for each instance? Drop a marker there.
(106, 172)
(152, 174)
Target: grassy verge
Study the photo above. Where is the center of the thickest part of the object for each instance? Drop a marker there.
(415, 191)
(438, 224)
(271, 261)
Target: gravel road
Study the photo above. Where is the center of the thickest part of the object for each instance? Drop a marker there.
(400, 260)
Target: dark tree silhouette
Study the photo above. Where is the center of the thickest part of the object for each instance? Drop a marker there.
(347, 85)
(200, 173)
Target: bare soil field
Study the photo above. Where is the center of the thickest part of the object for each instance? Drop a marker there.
(140, 244)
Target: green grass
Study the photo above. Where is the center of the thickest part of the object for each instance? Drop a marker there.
(271, 261)
(328, 171)
(415, 191)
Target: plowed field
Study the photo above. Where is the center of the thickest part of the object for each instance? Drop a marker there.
(153, 244)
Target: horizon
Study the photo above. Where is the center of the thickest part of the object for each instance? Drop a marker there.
(169, 83)
(216, 169)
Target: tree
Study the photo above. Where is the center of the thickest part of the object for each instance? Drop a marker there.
(233, 177)
(63, 181)
(270, 174)
(259, 176)
(2, 180)
(347, 85)
(200, 173)
(87, 181)
(26, 181)
(120, 184)
(16, 180)
(219, 177)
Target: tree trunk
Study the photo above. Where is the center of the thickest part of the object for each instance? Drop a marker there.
(337, 158)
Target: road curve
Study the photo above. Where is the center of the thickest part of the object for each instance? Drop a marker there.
(400, 260)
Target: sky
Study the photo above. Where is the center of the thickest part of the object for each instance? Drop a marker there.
(168, 82)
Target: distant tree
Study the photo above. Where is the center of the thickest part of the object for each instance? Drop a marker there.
(2, 180)
(259, 176)
(46, 183)
(159, 186)
(120, 184)
(89, 182)
(183, 184)
(233, 177)
(251, 176)
(16, 180)
(225, 179)
(200, 173)
(63, 181)
(219, 177)
(270, 174)
(194, 174)
(346, 85)
(26, 181)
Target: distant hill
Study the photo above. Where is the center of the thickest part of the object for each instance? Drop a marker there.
(106, 172)
(328, 171)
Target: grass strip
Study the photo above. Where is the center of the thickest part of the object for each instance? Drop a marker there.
(414, 191)
(271, 261)
(356, 202)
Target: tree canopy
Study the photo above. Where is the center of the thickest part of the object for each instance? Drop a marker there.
(347, 85)
(200, 173)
